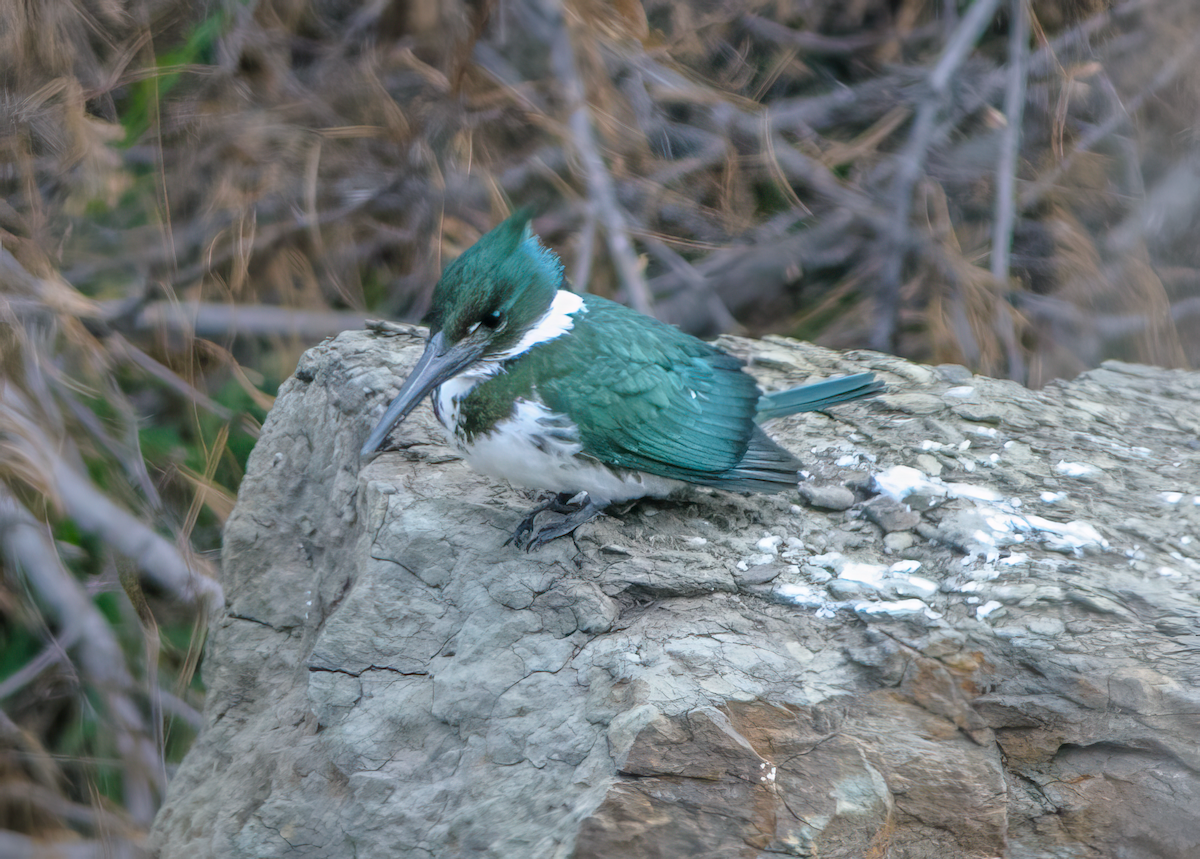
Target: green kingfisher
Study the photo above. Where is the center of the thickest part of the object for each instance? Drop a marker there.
(595, 402)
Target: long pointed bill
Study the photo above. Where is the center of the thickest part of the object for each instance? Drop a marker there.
(438, 363)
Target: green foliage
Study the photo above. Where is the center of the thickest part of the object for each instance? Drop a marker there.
(816, 316)
(17, 647)
(240, 442)
(86, 738)
(108, 603)
(375, 289)
(139, 110)
(769, 199)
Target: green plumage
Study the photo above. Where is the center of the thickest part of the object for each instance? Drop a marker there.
(645, 396)
(506, 272)
(585, 397)
(817, 395)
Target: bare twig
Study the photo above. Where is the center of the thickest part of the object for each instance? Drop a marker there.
(13, 845)
(862, 103)
(1046, 59)
(180, 709)
(1169, 209)
(157, 559)
(798, 167)
(27, 545)
(962, 40)
(738, 276)
(1135, 183)
(586, 249)
(53, 654)
(95, 818)
(1006, 178)
(697, 292)
(216, 320)
(95, 513)
(817, 43)
(910, 166)
(600, 182)
(1179, 63)
(1104, 327)
(123, 348)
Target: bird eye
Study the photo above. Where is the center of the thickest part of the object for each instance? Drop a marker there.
(493, 320)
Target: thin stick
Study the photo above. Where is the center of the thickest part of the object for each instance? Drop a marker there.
(586, 249)
(26, 543)
(911, 163)
(1006, 180)
(601, 187)
(156, 558)
(1176, 65)
(18, 846)
(218, 319)
(816, 44)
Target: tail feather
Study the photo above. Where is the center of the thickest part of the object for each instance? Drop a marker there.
(817, 395)
(766, 467)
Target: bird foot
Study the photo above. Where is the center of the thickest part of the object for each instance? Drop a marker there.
(570, 511)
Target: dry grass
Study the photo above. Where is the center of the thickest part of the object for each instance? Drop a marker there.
(193, 194)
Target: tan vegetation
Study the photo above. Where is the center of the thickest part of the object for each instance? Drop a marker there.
(193, 193)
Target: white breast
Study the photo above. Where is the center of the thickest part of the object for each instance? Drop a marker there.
(558, 319)
(537, 449)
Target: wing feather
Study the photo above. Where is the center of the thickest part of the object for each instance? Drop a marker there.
(653, 398)
(646, 396)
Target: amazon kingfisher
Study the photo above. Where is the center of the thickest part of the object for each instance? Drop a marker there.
(585, 397)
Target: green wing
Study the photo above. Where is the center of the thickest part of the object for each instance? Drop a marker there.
(646, 396)
(653, 398)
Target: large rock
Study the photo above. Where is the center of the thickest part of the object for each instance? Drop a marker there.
(992, 650)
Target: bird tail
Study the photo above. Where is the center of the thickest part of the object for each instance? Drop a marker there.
(765, 467)
(817, 395)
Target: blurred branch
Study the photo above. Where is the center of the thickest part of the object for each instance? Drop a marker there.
(1170, 208)
(27, 546)
(180, 709)
(216, 321)
(1006, 180)
(818, 44)
(586, 250)
(911, 165)
(13, 845)
(157, 559)
(739, 276)
(1106, 327)
(99, 820)
(93, 512)
(54, 653)
(24, 745)
(1182, 61)
(128, 454)
(861, 103)
(691, 289)
(123, 348)
(801, 169)
(600, 182)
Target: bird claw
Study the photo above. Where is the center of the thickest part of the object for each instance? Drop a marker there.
(558, 503)
(570, 514)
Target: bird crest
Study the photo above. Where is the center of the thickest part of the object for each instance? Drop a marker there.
(508, 278)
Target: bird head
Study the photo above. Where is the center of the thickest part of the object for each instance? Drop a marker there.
(482, 305)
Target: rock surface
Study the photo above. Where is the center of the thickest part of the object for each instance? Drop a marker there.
(991, 649)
